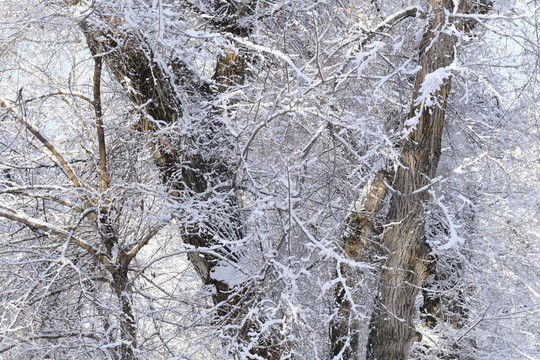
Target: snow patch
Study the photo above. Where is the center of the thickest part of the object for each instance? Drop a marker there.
(427, 95)
(229, 273)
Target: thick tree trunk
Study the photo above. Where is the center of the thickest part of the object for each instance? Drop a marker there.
(133, 63)
(408, 261)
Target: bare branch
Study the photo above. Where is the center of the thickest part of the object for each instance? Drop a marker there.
(137, 247)
(64, 164)
(21, 218)
(99, 125)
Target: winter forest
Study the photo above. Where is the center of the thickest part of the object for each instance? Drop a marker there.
(269, 179)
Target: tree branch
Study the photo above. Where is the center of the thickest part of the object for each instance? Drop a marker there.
(63, 163)
(22, 218)
(99, 125)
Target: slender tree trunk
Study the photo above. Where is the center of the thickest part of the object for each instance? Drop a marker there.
(126, 318)
(344, 337)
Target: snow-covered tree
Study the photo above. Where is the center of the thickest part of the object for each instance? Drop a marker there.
(269, 179)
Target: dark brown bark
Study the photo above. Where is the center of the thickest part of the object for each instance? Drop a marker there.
(231, 65)
(99, 125)
(408, 261)
(148, 84)
(188, 173)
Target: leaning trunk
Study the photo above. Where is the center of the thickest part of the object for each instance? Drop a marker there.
(188, 173)
(408, 261)
(135, 65)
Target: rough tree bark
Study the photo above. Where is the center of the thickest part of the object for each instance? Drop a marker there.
(134, 64)
(408, 260)
(150, 86)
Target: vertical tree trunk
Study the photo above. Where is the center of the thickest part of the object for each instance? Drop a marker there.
(128, 328)
(408, 261)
